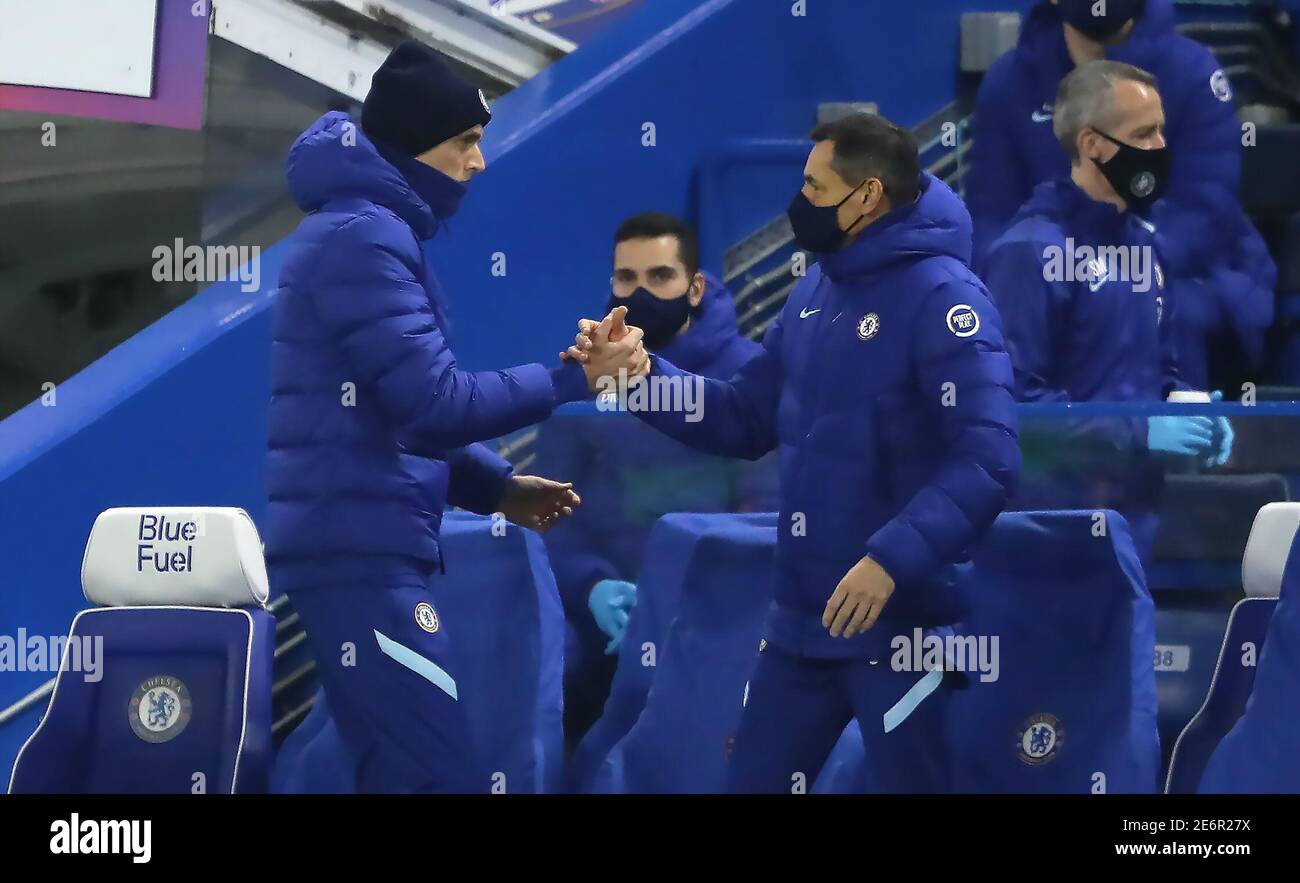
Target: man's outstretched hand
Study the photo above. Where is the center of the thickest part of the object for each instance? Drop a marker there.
(606, 347)
(858, 599)
(538, 503)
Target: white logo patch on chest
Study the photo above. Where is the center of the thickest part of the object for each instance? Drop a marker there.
(868, 325)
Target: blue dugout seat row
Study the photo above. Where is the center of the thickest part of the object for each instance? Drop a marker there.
(1072, 708)
(165, 685)
(1074, 697)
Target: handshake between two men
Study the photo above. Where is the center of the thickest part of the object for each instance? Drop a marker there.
(603, 349)
(607, 347)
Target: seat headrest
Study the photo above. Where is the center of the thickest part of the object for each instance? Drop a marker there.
(1268, 548)
(173, 555)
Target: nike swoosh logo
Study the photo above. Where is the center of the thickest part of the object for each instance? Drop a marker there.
(1039, 117)
(805, 312)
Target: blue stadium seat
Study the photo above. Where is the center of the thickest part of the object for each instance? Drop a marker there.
(1261, 753)
(1075, 627)
(1271, 537)
(499, 599)
(1226, 699)
(165, 686)
(680, 741)
(1075, 696)
(667, 556)
(845, 771)
(312, 759)
(1188, 639)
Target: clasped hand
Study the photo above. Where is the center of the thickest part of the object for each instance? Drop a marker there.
(606, 347)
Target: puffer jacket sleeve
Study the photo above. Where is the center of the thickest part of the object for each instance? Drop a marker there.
(478, 478)
(367, 293)
(967, 383)
(736, 417)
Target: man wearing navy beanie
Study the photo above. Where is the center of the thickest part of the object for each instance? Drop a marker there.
(416, 103)
(374, 428)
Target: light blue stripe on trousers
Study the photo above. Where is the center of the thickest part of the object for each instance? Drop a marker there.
(425, 668)
(912, 698)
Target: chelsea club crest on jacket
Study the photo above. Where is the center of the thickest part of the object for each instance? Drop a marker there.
(887, 389)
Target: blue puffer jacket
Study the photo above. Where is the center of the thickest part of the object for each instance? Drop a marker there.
(372, 425)
(1201, 231)
(1108, 337)
(1100, 338)
(886, 387)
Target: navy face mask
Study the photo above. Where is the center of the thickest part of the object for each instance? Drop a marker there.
(1101, 28)
(660, 319)
(443, 194)
(817, 227)
(1137, 175)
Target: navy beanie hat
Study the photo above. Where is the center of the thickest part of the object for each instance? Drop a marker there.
(416, 102)
(1100, 23)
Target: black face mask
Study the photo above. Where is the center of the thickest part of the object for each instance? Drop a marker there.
(660, 319)
(817, 227)
(1101, 28)
(1137, 175)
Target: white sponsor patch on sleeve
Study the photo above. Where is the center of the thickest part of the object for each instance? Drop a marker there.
(1220, 86)
(963, 321)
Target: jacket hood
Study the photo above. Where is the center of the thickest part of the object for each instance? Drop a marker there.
(333, 159)
(936, 224)
(712, 329)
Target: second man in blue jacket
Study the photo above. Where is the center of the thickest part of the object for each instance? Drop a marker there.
(887, 391)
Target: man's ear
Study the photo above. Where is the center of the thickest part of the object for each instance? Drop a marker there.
(873, 197)
(1088, 143)
(696, 293)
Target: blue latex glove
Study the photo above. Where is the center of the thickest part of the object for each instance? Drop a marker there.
(611, 602)
(1180, 435)
(1222, 435)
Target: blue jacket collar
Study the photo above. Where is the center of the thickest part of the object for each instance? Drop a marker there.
(712, 328)
(1077, 211)
(333, 159)
(440, 193)
(935, 223)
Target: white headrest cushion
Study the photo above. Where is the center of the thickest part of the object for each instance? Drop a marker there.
(1268, 548)
(166, 555)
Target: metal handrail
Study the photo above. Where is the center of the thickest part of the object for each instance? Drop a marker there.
(26, 702)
